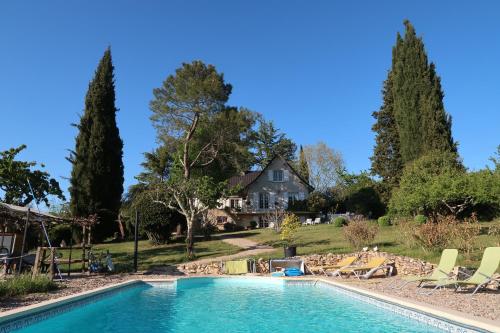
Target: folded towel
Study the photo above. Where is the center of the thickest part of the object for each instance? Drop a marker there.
(236, 267)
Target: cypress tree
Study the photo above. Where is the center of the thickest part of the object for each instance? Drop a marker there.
(436, 123)
(386, 159)
(422, 122)
(409, 89)
(97, 174)
(303, 166)
(412, 120)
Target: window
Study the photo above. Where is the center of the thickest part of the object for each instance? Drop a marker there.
(221, 219)
(292, 197)
(277, 175)
(263, 200)
(234, 203)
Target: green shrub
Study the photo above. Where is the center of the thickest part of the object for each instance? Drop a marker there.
(155, 220)
(253, 224)
(361, 195)
(59, 233)
(420, 219)
(230, 227)
(339, 221)
(437, 184)
(384, 221)
(25, 284)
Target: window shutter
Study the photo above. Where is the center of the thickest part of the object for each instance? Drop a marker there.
(255, 203)
(285, 200)
(285, 175)
(272, 198)
(270, 175)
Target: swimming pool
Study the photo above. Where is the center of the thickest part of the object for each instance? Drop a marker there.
(240, 305)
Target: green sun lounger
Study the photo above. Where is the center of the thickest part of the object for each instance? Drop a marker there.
(441, 272)
(482, 276)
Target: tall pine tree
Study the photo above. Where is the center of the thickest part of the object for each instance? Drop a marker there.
(303, 166)
(97, 174)
(270, 141)
(412, 120)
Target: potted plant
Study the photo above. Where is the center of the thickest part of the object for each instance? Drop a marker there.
(289, 226)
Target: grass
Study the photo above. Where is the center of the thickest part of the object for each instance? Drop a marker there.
(150, 255)
(323, 238)
(25, 284)
(326, 238)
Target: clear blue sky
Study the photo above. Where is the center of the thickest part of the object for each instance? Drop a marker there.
(315, 68)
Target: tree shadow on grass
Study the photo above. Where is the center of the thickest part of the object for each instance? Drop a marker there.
(233, 235)
(385, 244)
(313, 243)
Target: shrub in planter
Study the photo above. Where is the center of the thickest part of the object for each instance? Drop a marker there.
(384, 221)
(253, 224)
(339, 221)
(360, 233)
(420, 219)
(289, 226)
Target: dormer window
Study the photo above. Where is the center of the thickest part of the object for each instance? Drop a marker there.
(277, 175)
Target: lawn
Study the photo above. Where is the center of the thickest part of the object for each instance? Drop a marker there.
(323, 238)
(150, 255)
(326, 238)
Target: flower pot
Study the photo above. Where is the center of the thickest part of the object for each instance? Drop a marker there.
(290, 251)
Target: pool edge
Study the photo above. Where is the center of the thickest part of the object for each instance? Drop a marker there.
(10, 317)
(460, 319)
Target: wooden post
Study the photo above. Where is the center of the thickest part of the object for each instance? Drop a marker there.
(52, 263)
(24, 240)
(36, 267)
(83, 249)
(136, 234)
(70, 248)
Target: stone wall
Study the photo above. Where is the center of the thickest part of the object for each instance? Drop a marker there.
(213, 268)
(403, 265)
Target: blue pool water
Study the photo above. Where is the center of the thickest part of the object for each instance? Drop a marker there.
(228, 305)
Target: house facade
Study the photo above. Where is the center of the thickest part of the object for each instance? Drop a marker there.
(261, 193)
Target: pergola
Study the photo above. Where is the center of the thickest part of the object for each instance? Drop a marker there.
(15, 220)
(16, 217)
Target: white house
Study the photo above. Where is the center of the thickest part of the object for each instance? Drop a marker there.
(261, 192)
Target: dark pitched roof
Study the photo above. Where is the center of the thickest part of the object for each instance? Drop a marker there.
(244, 180)
(247, 179)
